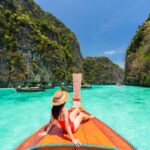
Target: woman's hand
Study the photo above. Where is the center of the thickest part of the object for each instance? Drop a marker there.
(42, 133)
(76, 142)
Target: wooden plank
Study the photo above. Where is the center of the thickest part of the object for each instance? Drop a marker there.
(53, 139)
(89, 134)
(118, 141)
(80, 135)
(95, 136)
(31, 140)
(55, 136)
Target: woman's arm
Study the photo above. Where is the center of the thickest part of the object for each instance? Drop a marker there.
(75, 141)
(50, 124)
(48, 127)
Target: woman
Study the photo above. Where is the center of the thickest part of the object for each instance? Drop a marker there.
(70, 122)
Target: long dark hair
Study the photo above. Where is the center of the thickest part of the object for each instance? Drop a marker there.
(56, 110)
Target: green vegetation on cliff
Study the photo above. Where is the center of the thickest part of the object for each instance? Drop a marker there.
(35, 46)
(101, 70)
(137, 69)
(26, 30)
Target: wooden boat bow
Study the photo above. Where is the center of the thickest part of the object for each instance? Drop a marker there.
(93, 134)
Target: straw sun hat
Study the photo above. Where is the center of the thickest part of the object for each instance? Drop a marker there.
(60, 97)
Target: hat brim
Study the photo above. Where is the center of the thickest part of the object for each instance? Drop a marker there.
(66, 94)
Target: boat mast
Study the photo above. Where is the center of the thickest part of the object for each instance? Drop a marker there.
(77, 78)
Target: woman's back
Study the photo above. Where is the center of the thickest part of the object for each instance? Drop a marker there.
(61, 119)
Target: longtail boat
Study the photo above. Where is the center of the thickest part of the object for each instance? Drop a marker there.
(93, 134)
(48, 86)
(67, 88)
(30, 89)
(86, 86)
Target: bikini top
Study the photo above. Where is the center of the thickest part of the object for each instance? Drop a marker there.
(62, 123)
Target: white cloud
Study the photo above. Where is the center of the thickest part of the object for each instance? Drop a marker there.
(112, 52)
(116, 51)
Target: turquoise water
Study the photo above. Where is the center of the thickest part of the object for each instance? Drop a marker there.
(126, 109)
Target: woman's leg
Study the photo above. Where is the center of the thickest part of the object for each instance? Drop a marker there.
(87, 117)
(74, 114)
(79, 118)
(77, 121)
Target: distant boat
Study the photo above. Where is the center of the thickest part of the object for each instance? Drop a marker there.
(68, 88)
(86, 86)
(49, 86)
(29, 89)
(119, 84)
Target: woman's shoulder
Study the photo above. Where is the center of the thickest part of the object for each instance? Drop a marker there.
(65, 109)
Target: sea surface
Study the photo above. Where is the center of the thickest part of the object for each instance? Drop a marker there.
(126, 109)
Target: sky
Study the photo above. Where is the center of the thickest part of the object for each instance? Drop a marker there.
(102, 27)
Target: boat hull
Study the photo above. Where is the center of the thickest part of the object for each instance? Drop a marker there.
(70, 147)
(93, 132)
(30, 90)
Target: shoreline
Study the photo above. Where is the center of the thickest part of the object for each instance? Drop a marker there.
(96, 85)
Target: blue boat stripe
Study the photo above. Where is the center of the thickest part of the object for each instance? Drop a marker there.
(72, 145)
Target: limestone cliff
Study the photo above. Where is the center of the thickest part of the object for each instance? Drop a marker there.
(35, 45)
(101, 70)
(137, 68)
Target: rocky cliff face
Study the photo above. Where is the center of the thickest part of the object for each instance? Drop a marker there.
(101, 70)
(34, 45)
(137, 69)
